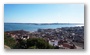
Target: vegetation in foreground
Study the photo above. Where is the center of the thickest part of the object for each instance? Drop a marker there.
(32, 43)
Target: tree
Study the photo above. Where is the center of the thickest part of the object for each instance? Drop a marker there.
(21, 44)
(9, 41)
(32, 43)
(38, 43)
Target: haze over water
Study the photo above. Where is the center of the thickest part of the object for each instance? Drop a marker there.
(32, 27)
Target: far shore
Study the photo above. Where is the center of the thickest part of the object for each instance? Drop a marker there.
(50, 23)
(45, 28)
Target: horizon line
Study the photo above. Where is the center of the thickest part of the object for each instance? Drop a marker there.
(38, 23)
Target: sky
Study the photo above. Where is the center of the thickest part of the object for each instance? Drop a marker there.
(44, 13)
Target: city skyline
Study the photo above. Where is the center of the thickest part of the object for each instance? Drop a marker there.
(43, 13)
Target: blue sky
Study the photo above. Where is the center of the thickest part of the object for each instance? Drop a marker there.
(44, 13)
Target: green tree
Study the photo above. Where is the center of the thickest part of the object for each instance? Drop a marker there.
(9, 41)
(38, 43)
(21, 44)
(32, 43)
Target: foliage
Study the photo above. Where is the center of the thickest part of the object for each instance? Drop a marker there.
(9, 41)
(38, 43)
(21, 44)
(32, 43)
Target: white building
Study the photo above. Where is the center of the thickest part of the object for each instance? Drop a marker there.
(53, 42)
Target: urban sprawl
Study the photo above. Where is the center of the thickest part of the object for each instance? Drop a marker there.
(64, 38)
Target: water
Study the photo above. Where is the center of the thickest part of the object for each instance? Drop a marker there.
(32, 27)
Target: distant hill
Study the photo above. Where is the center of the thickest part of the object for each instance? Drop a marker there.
(51, 23)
